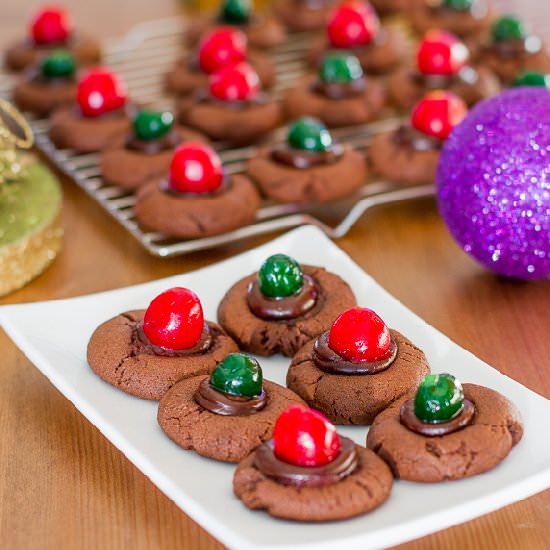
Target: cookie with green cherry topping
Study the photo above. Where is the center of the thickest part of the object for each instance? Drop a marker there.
(533, 78)
(48, 85)
(308, 166)
(283, 305)
(438, 445)
(226, 415)
(147, 151)
(508, 27)
(339, 94)
(262, 29)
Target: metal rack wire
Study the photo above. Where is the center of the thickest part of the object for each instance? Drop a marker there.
(142, 58)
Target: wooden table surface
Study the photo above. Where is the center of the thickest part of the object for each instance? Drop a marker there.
(63, 485)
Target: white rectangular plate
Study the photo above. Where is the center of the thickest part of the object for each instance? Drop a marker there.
(54, 336)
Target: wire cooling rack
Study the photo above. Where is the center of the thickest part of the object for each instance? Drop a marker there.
(142, 58)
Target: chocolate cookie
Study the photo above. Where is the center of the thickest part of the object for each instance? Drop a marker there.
(42, 97)
(392, 157)
(117, 354)
(385, 7)
(407, 86)
(318, 183)
(227, 438)
(185, 77)
(240, 123)
(384, 54)
(25, 53)
(508, 67)
(194, 216)
(70, 130)
(357, 399)
(266, 337)
(473, 22)
(496, 428)
(360, 492)
(303, 15)
(306, 99)
(262, 30)
(129, 167)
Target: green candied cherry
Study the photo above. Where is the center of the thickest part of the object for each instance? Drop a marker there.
(309, 134)
(439, 398)
(59, 64)
(235, 12)
(531, 78)
(341, 68)
(238, 374)
(457, 5)
(280, 276)
(508, 27)
(150, 125)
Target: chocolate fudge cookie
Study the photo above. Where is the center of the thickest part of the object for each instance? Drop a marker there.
(303, 15)
(340, 95)
(328, 479)
(147, 151)
(309, 167)
(277, 324)
(225, 426)
(410, 154)
(478, 446)
(51, 29)
(99, 120)
(48, 85)
(145, 352)
(354, 391)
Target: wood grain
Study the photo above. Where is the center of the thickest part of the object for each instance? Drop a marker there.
(63, 485)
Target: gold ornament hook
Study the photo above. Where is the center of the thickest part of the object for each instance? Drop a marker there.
(11, 120)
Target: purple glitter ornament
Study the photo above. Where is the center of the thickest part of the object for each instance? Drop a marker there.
(493, 183)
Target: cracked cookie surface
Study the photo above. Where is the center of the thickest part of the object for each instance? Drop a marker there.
(360, 492)
(266, 337)
(197, 216)
(357, 399)
(117, 355)
(472, 450)
(226, 438)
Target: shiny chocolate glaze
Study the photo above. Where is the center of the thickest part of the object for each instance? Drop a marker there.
(202, 95)
(326, 359)
(464, 418)
(153, 146)
(201, 346)
(226, 404)
(407, 136)
(165, 188)
(280, 309)
(302, 159)
(307, 476)
(339, 90)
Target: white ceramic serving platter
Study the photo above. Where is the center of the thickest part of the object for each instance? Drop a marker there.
(54, 336)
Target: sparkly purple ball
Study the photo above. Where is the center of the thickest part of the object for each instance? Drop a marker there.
(493, 183)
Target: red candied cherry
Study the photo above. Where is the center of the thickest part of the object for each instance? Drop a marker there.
(174, 319)
(50, 25)
(360, 335)
(235, 83)
(441, 53)
(305, 437)
(221, 47)
(100, 91)
(351, 24)
(195, 168)
(438, 113)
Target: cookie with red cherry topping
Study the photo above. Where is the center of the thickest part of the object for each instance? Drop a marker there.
(307, 472)
(145, 352)
(196, 199)
(356, 369)
(51, 29)
(445, 431)
(283, 306)
(227, 415)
